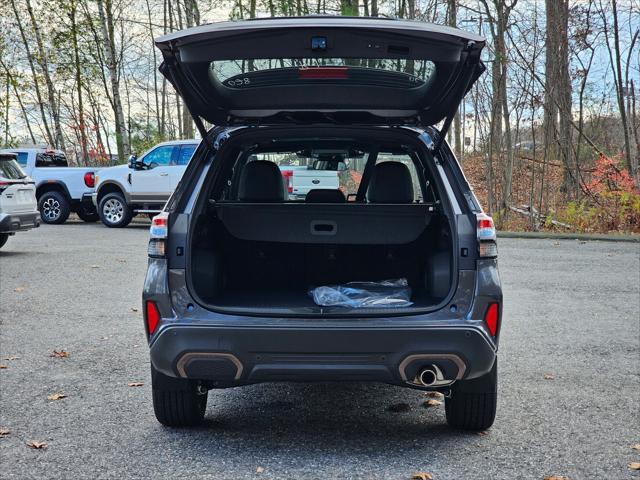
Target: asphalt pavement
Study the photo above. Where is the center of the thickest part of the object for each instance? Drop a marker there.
(571, 314)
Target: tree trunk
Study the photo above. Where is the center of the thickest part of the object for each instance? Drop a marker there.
(44, 65)
(155, 70)
(550, 121)
(76, 61)
(192, 19)
(349, 8)
(106, 23)
(452, 10)
(617, 64)
(36, 84)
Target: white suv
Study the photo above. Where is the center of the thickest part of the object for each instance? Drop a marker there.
(18, 207)
(142, 186)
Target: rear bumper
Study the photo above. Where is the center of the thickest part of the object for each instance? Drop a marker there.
(18, 222)
(229, 356)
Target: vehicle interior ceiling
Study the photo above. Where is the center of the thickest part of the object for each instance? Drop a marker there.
(254, 247)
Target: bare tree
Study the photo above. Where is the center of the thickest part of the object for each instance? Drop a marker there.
(105, 13)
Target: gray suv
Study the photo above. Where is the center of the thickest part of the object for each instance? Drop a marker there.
(391, 278)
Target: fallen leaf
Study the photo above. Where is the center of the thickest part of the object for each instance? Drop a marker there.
(259, 469)
(134, 309)
(434, 394)
(12, 357)
(18, 289)
(548, 376)
(95, 266)
(422, 476)
(56, 396)
(4, 432)
(135, 384)
(3, 366)
(636, 446)
(399, 407)
(432, 403)
(634, 465)
(59, 354)
(37, 445)
(556, 477)
(483, 433)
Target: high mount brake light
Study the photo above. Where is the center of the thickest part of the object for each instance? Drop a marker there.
(159, 232)
(323, 73)
(90, 179)
(486, 232)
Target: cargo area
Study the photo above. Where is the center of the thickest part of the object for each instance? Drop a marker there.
(257, 249)
(233, 265)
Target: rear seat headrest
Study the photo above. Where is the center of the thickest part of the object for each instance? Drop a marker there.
(261, 181)
(325, 195)
(390, 183)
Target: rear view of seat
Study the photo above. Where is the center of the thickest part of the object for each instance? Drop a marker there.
(325, 195)
(391, 183)
(261, 182)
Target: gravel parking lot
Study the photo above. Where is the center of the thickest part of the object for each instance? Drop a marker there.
(571, 313)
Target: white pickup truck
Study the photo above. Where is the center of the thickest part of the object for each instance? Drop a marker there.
(144, 185)
(60, 189)
(299, 180)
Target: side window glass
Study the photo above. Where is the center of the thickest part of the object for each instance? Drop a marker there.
(159, 157)
(186, 152)
(43, 160)
(59, 161)
(22, 158)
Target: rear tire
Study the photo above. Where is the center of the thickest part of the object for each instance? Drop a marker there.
(3, 239)
(54, 207)
(114, 211)
(472, 405)
(88, 215)
(176, 401)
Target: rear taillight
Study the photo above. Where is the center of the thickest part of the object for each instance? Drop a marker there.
(487, 247)
(90, 179)
(152, 316)
(287, 175)
(159, 232)
(4, 186)
(491, 318)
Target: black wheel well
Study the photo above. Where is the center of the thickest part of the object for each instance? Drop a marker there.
(51, 187)
(106, 189)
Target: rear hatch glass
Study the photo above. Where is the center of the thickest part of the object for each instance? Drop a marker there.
(10, 169)
(322, 69)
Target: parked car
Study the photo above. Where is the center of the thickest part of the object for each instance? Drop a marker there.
(60, 189)
(234, 288)
(144, 185)
(18, 207)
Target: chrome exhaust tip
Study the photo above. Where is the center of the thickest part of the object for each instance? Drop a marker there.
(428, 376)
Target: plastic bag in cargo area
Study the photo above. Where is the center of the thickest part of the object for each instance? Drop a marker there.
(384, 294)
